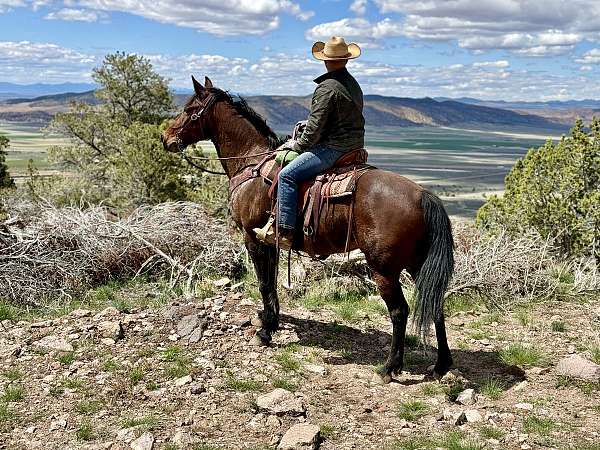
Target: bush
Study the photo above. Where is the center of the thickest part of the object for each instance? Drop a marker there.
(114, 154)
(5, 180)
(555, 190)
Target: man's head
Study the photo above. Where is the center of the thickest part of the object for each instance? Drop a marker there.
(335, 52)
(335, 64)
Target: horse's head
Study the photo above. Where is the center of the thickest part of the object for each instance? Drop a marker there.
(189, 126)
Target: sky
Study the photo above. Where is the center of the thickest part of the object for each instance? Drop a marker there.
(528, 50)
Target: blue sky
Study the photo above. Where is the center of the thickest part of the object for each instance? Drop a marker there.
(493, 49)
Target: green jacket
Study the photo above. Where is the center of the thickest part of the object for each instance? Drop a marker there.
(335, 117)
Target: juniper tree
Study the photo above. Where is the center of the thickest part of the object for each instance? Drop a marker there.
(5, 179)
(554, 189)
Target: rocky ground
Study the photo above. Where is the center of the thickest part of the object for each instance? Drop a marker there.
(186, 375)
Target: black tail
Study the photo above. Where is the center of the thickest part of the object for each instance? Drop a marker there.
(436, 271)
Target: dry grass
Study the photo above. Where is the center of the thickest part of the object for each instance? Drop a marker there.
(60, 252)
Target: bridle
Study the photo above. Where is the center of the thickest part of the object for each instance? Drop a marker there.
(212, 99)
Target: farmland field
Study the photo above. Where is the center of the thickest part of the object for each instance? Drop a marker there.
(459, 165)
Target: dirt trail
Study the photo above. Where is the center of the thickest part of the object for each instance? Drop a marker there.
(187, 376)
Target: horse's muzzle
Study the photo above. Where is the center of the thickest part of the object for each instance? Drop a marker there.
(170, 145)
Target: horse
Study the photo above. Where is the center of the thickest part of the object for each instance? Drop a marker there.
(397, 224)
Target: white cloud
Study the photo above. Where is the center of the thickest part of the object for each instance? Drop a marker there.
(364, 32)
(37, 62)
(78, 15)
(359, 7)
(526, 27)
(502, 64)
(219, 17)
(590, 57)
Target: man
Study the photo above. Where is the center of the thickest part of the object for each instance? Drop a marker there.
(335, 126)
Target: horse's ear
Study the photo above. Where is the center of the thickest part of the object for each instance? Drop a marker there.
(207, 83)
(198, 88)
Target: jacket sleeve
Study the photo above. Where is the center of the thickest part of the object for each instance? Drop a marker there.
(321, 105)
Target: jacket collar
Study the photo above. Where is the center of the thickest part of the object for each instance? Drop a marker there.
(336, 75)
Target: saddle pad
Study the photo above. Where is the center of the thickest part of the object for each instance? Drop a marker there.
(337, 182)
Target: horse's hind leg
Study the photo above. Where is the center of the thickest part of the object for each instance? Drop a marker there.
(264, 259)
(391, 292)
(444, 361)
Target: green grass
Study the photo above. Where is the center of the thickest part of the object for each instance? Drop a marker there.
(558, 326)
(433, 389)
(542, 426)
(286, 384)
(491, 432)
(13, 374)
(412, 410)
(179, 362)
(6, 414)
(144, 421)
(13, 393)
(351, 305)
(110, 365)
(453, 440)
(287, 361)
(521, 355)
(241, 385)
(524, 317)
(7, 311)
(88, 407)
(327, 430)
(594, 351)
(66, 358)
(412, 340)
(136, 375)
(492, 388)
(85, 432)
(587, 387)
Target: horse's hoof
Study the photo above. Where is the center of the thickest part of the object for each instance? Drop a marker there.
(261, 339)
(386, 379)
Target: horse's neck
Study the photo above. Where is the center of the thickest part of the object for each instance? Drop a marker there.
(235, 136)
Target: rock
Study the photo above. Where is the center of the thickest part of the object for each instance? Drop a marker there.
(53, 342)
(183, 380)
(197, 389)
(452, 377)
(576, 366)
(183, 439)
(469, 416)
(191, 327)
(9, 350)
(58, 424)
(108, 341)
(281, 402)
(144, 442)
(314, 368)
(109, 329)
(467, 397)
(273, 422)
(80, 313)
(519, 387)
(246, 302)
(222, 282)
(524, 406)
(300, 436)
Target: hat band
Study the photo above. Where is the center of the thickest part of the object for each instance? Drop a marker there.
(345, 55)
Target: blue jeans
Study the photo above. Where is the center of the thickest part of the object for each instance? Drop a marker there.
(305, 166)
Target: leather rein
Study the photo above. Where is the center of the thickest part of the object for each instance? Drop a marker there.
(189, 159)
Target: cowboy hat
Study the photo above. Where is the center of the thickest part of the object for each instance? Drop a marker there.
(335, 49)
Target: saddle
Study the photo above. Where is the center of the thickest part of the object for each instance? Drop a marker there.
(333, 184)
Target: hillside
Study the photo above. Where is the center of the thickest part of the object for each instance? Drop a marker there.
(282, 112)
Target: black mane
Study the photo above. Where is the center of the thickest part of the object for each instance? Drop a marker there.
(244, 110)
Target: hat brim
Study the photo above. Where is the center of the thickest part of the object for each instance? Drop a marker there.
(319, 47)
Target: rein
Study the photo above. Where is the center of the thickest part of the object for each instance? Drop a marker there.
(189, 159)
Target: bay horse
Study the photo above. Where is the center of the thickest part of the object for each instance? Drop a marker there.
(397, 224)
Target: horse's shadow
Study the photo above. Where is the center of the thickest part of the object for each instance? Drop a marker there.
(354, 346)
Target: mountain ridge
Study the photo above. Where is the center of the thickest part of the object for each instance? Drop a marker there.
(282, 112)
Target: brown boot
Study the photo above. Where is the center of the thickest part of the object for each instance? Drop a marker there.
(266, 234)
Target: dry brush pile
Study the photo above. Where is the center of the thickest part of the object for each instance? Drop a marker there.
(61, 252)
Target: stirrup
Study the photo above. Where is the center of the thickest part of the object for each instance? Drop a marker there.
(262, 233)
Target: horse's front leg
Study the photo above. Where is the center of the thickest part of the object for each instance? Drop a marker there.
(264, 259)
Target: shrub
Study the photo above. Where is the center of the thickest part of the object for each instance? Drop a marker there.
(5, 180)
(554, 189)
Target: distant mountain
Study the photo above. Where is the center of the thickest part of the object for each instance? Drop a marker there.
(282, 112)
(12, 90)
(555, 104)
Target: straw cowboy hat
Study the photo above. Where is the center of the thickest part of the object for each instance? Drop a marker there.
(335, 49)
